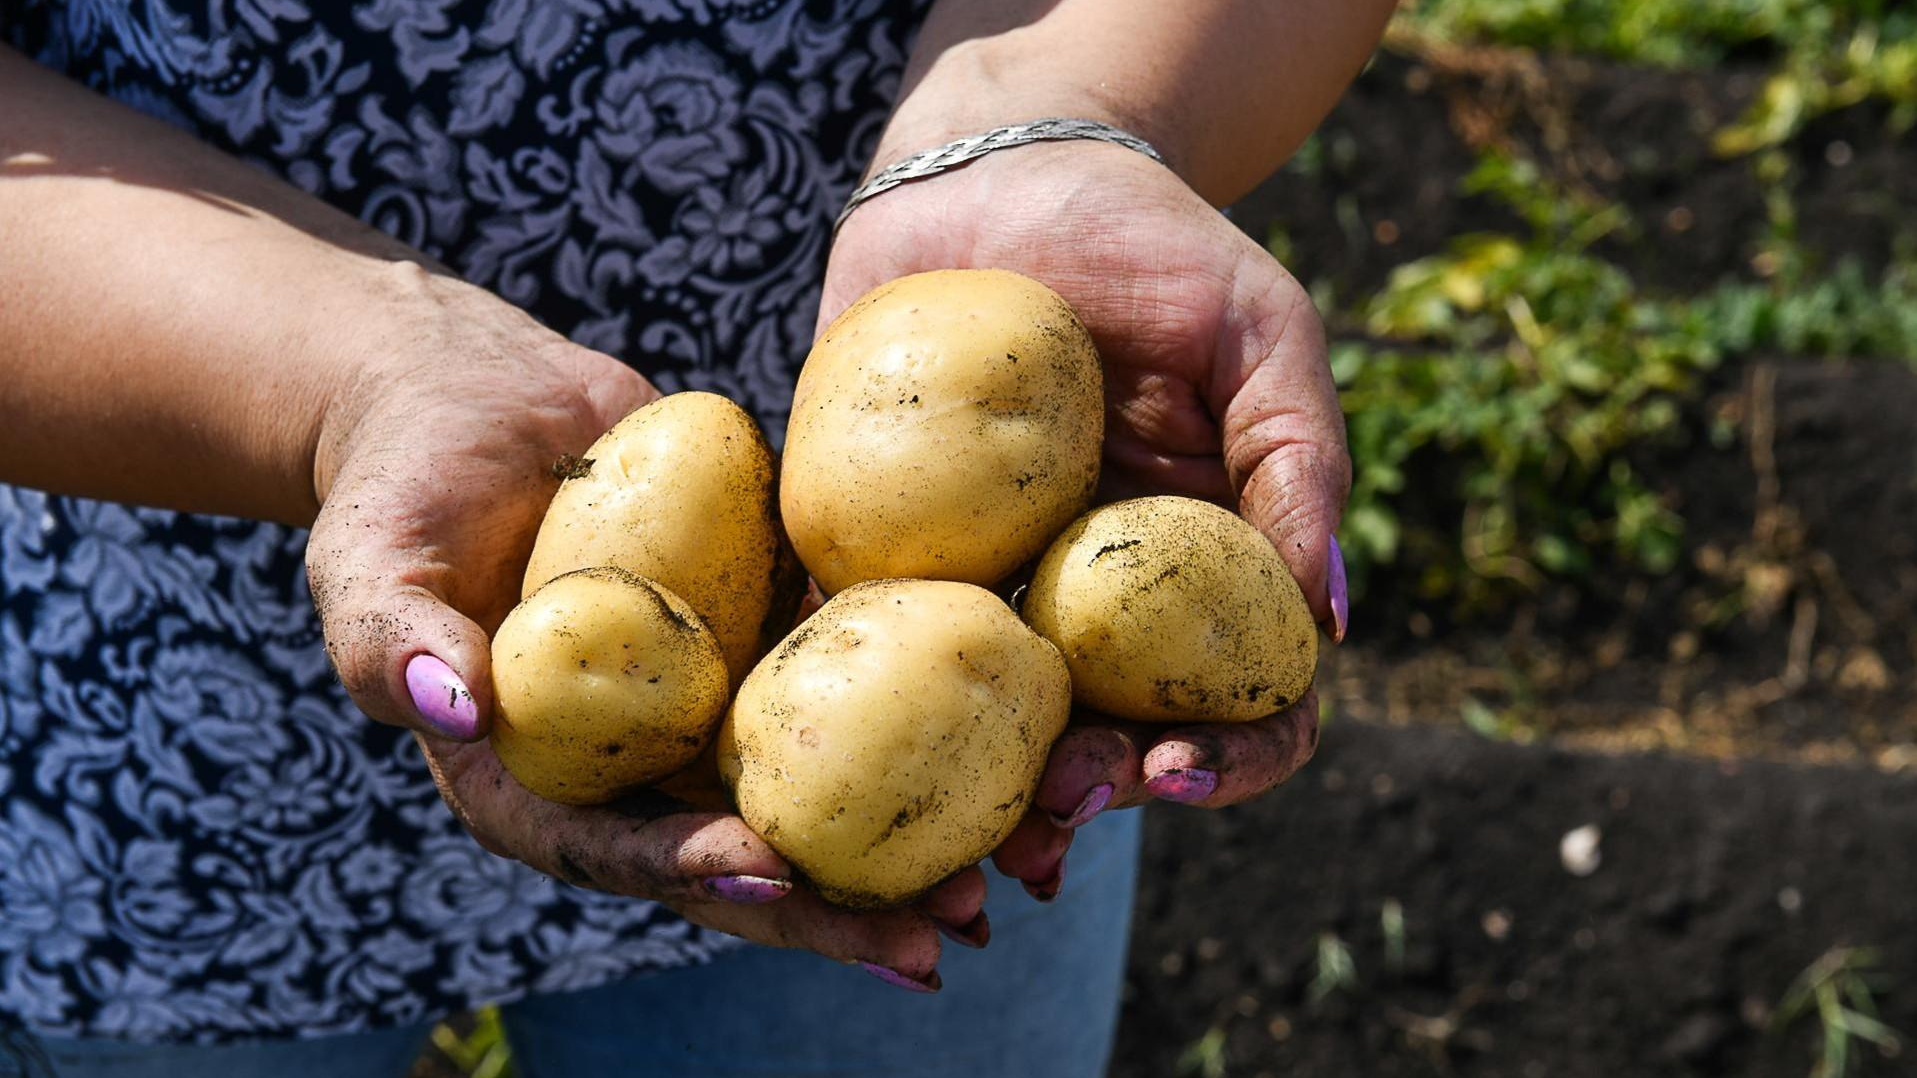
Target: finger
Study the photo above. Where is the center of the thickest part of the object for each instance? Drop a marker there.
(641, 848)
(900, 947)
(1035, 855)
(1133, 470)
(957, 908)
(1225, 763)
(1092, 768)
(1284, 435)
(404, 655)
(708, 866)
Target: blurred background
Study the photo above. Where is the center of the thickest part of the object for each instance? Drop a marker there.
(1619, 768)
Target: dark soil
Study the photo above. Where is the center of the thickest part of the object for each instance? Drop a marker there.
(1718, 884)
(1787, 630)
(1394, 151)
(1791, 632)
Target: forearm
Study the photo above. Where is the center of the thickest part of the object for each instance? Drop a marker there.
(172, 321)
(1227, 89)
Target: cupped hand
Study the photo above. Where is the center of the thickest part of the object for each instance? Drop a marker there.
(1217, 387)
(433, 471)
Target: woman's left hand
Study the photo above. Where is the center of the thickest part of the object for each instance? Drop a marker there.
(1217, 386)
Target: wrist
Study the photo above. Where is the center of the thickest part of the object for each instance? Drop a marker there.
(976, 86)
(418, 347)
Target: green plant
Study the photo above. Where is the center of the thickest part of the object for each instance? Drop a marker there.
(1497, 392)
(1827, 54)
(1532, 367)
(1391, 924)
(1204, 1057)
(1332, 969)
(1839, 988)
(482, 1053)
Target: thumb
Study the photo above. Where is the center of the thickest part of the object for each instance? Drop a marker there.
(405, 656)
(1284, 434)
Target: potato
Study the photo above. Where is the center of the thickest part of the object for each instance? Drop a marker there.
(1174, 610)
(946, 427)
(895, 737)
(603, 682)
(681, 492)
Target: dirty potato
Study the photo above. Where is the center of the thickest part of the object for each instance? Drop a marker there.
(1174, 610)
(946, 427)
(681, 492)
(895, 737)
(603, 682)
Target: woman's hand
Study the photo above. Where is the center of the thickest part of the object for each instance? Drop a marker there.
(435, 466)
(1217, 387)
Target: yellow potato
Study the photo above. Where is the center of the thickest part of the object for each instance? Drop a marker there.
(895, 737)
(946, 427)
(681, 492)
(603, 682)
(1174, 610)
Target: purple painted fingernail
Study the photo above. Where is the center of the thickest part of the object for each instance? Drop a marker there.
(976, 933)
(893, 977)
(1183, 784)
(1340, 593)
(1047, 890)
(441, 698)
(747, 890)
(1094, 803)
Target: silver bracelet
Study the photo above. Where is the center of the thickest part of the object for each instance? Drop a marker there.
(927, 163)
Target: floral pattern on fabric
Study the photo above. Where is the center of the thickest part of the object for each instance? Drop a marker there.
(200, 837)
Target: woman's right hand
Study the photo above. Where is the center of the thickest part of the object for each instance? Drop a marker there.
(434, 468)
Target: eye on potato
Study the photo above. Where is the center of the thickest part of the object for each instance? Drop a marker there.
(681, 492)
(1174, 610)
(895, 737)
(945, 427)
(603, 682)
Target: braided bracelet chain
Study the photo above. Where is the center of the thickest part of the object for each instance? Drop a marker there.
(928, 163)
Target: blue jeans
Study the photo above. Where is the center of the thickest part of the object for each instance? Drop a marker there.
(1042, 1000)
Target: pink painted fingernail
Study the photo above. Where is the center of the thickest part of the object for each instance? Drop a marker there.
(1047, 890)
(1093, 803)
(747, 890)
(441, 698)
(893, 977)
(1340, 593)
(976, 933)
(1183, 784)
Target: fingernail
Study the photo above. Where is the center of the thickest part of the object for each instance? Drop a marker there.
(1094, 803)
(1047, 890)
(893, 977)
(976, 933)
(1183, 784)
(1340, 593)
(747, 890)
(441, 698)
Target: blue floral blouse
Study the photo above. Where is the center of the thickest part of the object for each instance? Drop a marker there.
(200, 838)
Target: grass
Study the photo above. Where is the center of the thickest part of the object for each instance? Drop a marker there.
(1204, 1057)
(1391, 924)
(481, 1053)
(1839, 989)
(1332, 970)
